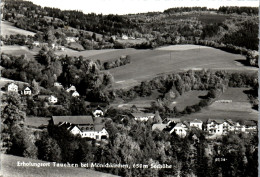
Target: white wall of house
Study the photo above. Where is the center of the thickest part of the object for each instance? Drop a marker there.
(196, 124)
(53, 99)
(145, 118)
(98, 113)
(12, 88)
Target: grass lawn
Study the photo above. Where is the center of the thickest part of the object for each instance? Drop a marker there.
(19, 50)
(239, 108)
(8, 28)
(9, 168)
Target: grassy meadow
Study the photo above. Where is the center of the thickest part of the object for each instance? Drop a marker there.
(239, 108)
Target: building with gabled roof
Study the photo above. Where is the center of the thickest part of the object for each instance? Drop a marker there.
(196, 123)
(84, 126)
(72, 88)
(181, 129)
(12, 88)
(27, 91)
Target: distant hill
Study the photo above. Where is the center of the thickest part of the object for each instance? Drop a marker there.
(9, 168)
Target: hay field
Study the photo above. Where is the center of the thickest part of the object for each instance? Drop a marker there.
(8, 28)
(239, 109)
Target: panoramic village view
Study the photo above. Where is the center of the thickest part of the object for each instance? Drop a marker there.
(172, 93)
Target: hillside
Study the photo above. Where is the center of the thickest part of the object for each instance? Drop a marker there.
(9, 168)
(8, 28)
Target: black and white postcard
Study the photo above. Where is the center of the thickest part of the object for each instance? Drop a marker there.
(131, 88)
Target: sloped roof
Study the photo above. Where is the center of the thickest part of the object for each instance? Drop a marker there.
(159, 126)
(98, 127)
(77, 120)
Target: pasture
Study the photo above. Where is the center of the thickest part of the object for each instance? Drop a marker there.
(146, 64)
(19, 50)
(240, 107)
(8, 28)
(9, 168)
(188, 99)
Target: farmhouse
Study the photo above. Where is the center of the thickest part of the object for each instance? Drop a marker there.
(142, 116)
(12, 88)
(82, 125)
(196, 123)
(180, 129)
(72, 88)
(27, 91)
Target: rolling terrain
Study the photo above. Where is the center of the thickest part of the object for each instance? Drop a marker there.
(239, 109)
(9, 168)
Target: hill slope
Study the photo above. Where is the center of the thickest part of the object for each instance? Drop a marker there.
(9, 168)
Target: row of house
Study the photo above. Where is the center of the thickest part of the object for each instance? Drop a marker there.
(28, 91)
(214, 128)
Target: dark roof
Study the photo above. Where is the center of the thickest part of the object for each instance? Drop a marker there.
(98, 127)
(77, 120)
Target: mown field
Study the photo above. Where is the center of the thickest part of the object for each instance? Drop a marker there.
(8, 28)
(9, 168)
(239, 108)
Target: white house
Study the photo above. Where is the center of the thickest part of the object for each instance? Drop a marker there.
(53, 99)
(196, 123)
(143, 116)
(124, 37)
(214, 127)
(98, 112)
(75, 94)
(27, 91)
(228, 126)
(12, 87)
(72, 88)
(180, 129)
(57, 84)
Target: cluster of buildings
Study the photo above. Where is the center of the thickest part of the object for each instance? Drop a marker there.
(85, 126)
(53, 45)
(26, 90)
(214, 127)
